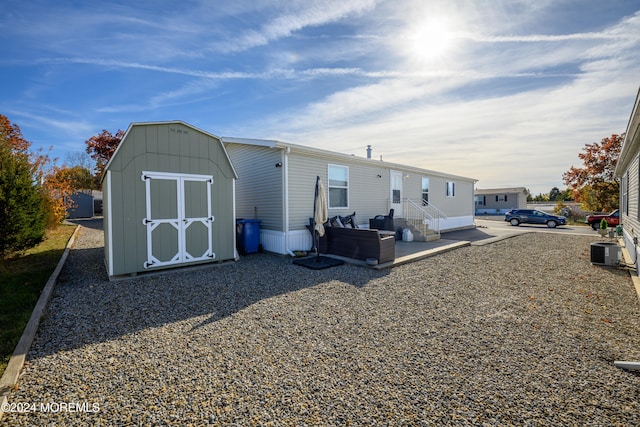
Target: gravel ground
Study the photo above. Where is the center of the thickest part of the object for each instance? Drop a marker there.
(519, 332)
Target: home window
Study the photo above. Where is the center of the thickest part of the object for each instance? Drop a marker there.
(425, 191)
(338, 186)
(625, 194)
(481, 200)
(451, 189)
(501, 198)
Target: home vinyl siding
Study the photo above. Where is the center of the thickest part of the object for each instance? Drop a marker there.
(633, 190)
(368, 191)
(636, 168)
(368, 194)
(260, 184)
(513, 201)
(303, 171)
(363, 182)
(630, 221)
(462, 204)
(516, 199)
(628, 165)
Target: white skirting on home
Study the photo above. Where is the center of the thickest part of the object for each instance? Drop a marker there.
(632, 248)
(274, 241)
(300, 240)
(456, 222)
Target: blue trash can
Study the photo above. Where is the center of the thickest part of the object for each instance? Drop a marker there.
(248, 235)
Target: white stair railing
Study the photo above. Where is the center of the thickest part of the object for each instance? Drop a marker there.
(423, 217)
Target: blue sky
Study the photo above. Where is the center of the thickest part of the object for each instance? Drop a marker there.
(504, 91)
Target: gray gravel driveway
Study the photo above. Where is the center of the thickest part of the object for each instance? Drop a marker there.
(522, 331)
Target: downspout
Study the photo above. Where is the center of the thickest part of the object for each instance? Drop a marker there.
(285, 166)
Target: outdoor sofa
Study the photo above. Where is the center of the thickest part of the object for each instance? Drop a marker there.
(358, 243)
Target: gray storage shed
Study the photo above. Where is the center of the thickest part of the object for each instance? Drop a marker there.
(168, 199)
(82, 205)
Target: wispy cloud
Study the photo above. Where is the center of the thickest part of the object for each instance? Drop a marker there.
(339, 75)
(296, 16)
(538, 38)
(69, 130)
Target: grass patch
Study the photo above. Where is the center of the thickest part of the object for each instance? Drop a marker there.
(21, 282)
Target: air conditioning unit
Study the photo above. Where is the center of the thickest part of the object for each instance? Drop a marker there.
(605, 253)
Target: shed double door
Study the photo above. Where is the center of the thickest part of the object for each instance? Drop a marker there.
(178, 218)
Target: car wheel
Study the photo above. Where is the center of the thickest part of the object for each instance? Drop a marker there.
(595, 225)
(552, 224)
(514, 221)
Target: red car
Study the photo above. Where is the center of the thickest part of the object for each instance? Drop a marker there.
(612, 219)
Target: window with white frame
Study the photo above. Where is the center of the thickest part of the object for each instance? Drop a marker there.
(481, 200)
(625, 194)
(501, 198)
(338, 186)
(425, 191)
(451, 189)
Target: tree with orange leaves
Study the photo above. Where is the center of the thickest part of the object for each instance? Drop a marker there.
(595, 185)
(101, 148)
(61, 183)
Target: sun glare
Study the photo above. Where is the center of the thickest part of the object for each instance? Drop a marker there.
(430, 40)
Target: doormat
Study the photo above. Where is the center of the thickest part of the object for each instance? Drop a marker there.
(318, 262)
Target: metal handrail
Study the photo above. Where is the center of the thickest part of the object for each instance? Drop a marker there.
(419, 216)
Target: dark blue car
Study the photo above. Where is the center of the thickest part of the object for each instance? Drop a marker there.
(533, 216)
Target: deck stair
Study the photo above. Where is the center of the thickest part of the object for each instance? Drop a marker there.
(422, 219)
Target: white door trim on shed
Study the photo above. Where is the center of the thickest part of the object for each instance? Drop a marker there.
(181, 222)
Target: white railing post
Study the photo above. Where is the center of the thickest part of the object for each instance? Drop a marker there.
(419, 215)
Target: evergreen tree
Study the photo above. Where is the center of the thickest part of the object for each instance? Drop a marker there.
(23, 211)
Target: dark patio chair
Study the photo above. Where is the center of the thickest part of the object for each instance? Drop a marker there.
(383, 222)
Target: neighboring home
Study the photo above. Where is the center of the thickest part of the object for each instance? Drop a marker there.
(277, 180)
(82, 205)
(498, 201)
(628, 173)
(168, 195)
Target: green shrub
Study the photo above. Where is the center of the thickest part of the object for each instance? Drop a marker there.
(23, 213)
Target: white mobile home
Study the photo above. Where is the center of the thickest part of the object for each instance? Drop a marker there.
(276, 182)
(168, 194)
(500, 200)
(628, 173)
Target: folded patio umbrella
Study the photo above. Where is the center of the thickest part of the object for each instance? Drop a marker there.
(320, 216)
(320, 209)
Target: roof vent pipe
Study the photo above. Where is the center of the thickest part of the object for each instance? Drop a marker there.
(368, 151)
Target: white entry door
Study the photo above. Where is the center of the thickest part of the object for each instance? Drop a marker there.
(178, 218)
(396, 193)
